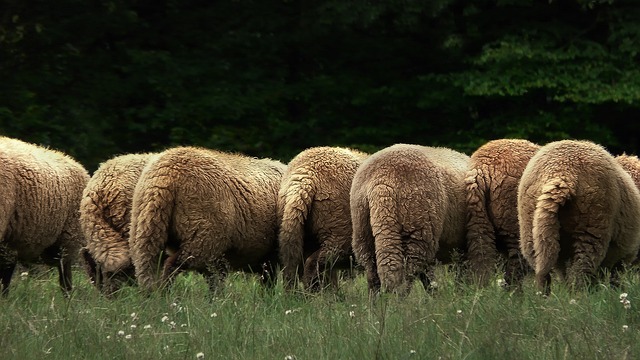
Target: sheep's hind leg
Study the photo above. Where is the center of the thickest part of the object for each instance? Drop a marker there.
(6, 272)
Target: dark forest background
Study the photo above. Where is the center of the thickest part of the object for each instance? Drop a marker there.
(272, 77)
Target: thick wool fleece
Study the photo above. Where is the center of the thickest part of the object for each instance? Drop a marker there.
(631, 164)
(315, 233)
(39, 217)
(105, 216)
(207, 211)
(492, 214)
(408, 210)
(578, 212)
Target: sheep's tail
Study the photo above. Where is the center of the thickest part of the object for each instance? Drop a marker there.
(481, 239)
(390, 258)
(296, 199)
(106, 245)
(546, 227)
(150, 218)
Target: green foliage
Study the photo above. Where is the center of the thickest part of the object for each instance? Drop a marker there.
(271, 78)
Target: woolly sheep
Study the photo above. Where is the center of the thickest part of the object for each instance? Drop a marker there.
(578, 212)
(492, 217)
(631, 164)
(105, 215)
(204, 210)
(316, 219)
(39, 211)
(408, 211)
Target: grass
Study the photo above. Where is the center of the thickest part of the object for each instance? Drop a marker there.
(245, 320)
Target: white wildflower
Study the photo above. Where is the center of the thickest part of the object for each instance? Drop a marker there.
(164, 318)
(290, 357)
(133, 326)
(287, 312)
(200, 355)
(625, 301)
(412, 352)
(501, 283)
(625, 327)
(214, 315)
(128, 336)
(459, 312)
(120, 332)
(573, 302)
(24, 275)
(148, 326)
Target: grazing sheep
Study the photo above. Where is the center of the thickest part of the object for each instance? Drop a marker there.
(492, 216)
(578, 212)
(105, 215)
(314, 208)
(408, 211)
(39, 211)
(204, 210)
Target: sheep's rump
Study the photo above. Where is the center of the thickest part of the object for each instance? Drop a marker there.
(105, 215)
(206, 210)
(39, 210)
(492, 217)
(314, 208)
(407, 207)
(631, 164)
(578, 211)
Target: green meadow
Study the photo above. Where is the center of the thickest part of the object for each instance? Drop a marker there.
(247, 321)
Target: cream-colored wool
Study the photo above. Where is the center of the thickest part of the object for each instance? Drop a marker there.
(315, 233)
(204, 210)
(39, 209)
(492, 209)
(408, 210)
(578, 212)
(105, 216)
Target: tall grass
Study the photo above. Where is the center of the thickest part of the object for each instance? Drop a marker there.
(245, 320)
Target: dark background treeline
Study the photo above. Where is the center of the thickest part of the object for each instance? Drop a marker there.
(272, 77)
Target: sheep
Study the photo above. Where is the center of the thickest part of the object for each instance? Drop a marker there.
(39, 217)
(578, 212)
(492, 217)
(408, 211)
(204, 210)
(316, 219)
(105, 215)
(631, 164)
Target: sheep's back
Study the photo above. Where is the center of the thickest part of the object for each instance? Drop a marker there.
(331, 171)
(48, 188)
(233, 194)
(427, 184)
(501, 164)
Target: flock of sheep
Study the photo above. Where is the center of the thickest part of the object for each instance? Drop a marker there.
(568, 206)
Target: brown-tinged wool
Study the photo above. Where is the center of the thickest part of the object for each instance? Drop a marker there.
(578, 212)
(408, 210)
(105, 215)
(631, 164)
(208, 211)
(492, 217)
(39, 217)
(315, 233)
